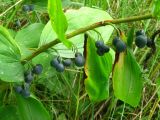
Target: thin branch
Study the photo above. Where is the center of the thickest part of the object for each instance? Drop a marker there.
(83, 30)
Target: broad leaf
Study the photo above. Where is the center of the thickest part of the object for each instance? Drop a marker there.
(11, 67)
(31, 109)
(97, 69)
(85, 15)
(9, 113)
(127, 78)
(156, 9)
(58, 20)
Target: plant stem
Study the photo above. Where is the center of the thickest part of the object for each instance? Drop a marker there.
(83, 30)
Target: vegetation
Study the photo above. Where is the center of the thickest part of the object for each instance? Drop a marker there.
(79, 60)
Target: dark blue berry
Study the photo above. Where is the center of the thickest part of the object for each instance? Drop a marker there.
(18, 89)
(25, 93)
(140, 32)
(37, 69)
(100, 52)
(105, 48)
(25, 8)
(18, 24)
(99, 43)
(78, 54)
(149, 42)
(31, 7)
(60, 67)
(67, 62)
(115, 40)
(141, 41)
(28, 77)
(120, 46)
(79, 61)
(54, 63)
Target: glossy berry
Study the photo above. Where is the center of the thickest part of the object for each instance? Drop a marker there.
(31, 7)
(25, 93)
(149, 42)
(141, 41)
(140, 32)
(99, 43)
(120, 46)
(79, 61)
(67, 62)
(18, 89)
(37, 69)
(60, 67)
(28, 77)
(18, 24)
(25, 8)
(78, 54)
(115, 40)
(54, 63)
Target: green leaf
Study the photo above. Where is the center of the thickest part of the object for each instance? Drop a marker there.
(85, 15)
(58, 21)
(8, 113)
(130, 37)
(11, 67)
(30, 36)
(127, 78)
(156, 9)
(31, 109)
(97, 69)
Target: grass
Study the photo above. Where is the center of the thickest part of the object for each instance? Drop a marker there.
(64, 95)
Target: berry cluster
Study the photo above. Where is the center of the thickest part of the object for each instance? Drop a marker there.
(60, 65)
(101, 48)
(142, 40)
(119, 44)
(27, 8)
(28, 78)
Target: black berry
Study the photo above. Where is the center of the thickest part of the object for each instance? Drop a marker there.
(105, 48)
(67, 62)
(25, 8)
(79, 61)
(18, 89)
(149, 42)
(120, 46)
(100, 52)
(115, 40)
(37, 69)
(31, 7)
(141, 41)
(99, 43)
(60, 67)
(140, 32)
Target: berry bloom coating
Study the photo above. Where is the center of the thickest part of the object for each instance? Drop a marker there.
(31, 7)
(18, 89)
(141, 41)
(105, 48)
(79, 61)
(78, 54)
(115, 40)
(18, 24)
(60, 67)
(67, 62)
(37, 69)
(100, 52)
(140, 32)
(25, 8)
(99, 43)
(120, 46)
